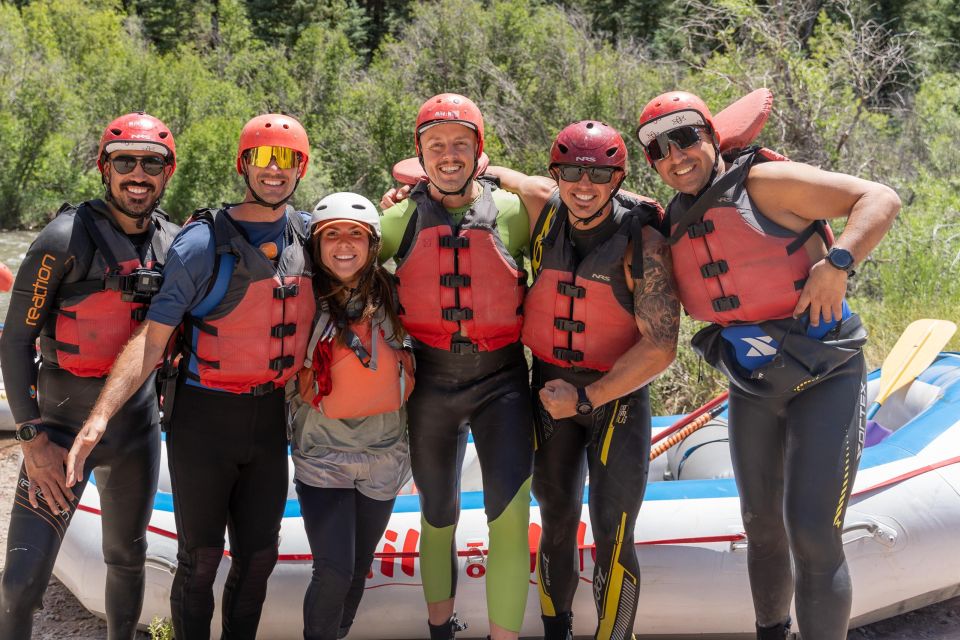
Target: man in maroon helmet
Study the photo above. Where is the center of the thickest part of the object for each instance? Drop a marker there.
(601, 319)
(82, 290)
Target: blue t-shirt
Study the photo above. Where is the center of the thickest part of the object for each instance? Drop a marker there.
(190, 264)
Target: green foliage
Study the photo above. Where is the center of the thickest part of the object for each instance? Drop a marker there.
(160, 629)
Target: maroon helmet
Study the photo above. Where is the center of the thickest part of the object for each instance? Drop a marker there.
(589, 143)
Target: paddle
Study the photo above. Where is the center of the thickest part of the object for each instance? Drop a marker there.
(697, 424)
(916, 349)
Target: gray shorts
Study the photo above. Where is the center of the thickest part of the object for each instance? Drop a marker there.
(378, 476)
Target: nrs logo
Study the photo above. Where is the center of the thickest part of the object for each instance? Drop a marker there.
(585, 159)
(600, 276)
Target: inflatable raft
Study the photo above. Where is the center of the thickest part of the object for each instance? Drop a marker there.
(900, 537)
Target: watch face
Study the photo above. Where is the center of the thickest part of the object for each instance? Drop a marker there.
(27, 432)
(840, 258)
(584, 408)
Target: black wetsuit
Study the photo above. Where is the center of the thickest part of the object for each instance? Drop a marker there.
(795, 456)
(125, 463)
(612, 445)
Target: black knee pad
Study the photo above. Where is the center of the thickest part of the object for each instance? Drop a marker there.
(20, 592)
(201, 565)
(247, 581)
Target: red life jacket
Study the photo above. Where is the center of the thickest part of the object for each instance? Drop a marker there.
(732, 263)
(368, 377)
(461, 283)
(582, 314)
(95, 316)
(255, 338)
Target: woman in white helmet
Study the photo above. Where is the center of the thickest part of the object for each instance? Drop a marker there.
(350, 450)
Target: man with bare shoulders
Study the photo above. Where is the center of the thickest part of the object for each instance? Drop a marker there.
(753, 256)
(601, 319)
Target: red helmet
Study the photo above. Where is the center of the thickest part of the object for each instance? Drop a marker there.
(669, 111)
(589, 143)
(137, 131)
(277, 130)
(449, 107)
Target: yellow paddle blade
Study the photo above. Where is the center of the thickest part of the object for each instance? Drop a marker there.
(916, 349)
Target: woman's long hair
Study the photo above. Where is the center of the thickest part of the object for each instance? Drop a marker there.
(374, 289)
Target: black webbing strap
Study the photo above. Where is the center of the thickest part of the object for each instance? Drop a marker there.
(708, 199)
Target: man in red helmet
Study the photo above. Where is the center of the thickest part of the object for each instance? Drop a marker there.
(754, 258)
(601, 320)
(458, 244)
(82, 290)
(231, 274)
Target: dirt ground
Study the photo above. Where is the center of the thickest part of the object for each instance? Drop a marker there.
(64, 618)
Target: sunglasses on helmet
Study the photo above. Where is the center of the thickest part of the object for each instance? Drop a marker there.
(573, 173)
(152, 165)
(683, 137)
(261, 156)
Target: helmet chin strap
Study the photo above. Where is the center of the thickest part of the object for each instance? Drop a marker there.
(258, 200)
(584, 221)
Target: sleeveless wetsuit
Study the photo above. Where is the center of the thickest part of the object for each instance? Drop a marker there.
(125, 463)
(486, 393)
(796, 432)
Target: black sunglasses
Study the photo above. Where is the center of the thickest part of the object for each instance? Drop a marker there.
(573, 173)
(683, 137)
(152, 165)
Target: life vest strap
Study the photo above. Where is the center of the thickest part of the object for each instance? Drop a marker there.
(714, 269)
(280, 363)
(454, 242)
(570, 290)
(700, 229)
(457, 314)
(286, 291)
(283, 330)
(464, 348)
(565, 324)
(729, 303)
(567, 355)
(454, 280)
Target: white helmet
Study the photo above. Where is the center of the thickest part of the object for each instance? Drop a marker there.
(346, 207)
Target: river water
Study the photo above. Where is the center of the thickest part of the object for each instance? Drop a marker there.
(13, 247)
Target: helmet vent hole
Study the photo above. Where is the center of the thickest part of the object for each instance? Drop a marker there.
(321, 207)
(163, 135)
(589, 125)
(611, 152)
(116, 132)
(358, 206)
(266, 126)
(563, 148)
(286, 126)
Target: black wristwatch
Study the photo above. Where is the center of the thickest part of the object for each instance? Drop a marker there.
(584, 406)
(841, 259)
(27, 432)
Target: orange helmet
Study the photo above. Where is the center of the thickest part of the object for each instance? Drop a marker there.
(669, 111)
(137, 131)
(449, 107)
(278, 130)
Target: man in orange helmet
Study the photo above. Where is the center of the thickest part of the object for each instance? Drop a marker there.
(458, 243)
(753, 257)
(82, 290)
(231, 273)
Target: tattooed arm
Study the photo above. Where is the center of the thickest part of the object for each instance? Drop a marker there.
(657, 311)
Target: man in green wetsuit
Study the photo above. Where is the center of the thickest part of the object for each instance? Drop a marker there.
(457, 242)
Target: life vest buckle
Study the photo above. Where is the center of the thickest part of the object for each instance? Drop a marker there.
(700, 229)
(728, 303)
(714, 269)
(461, 348)
(281, 363)
(283, 330)
(286, 291)
(454, 280)
(263, 389)
(566, 324)
(454, 242)
(570, 290)
(567, 355)
(457, 314)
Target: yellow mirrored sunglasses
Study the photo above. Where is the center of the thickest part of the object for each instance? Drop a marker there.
(286, 157)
